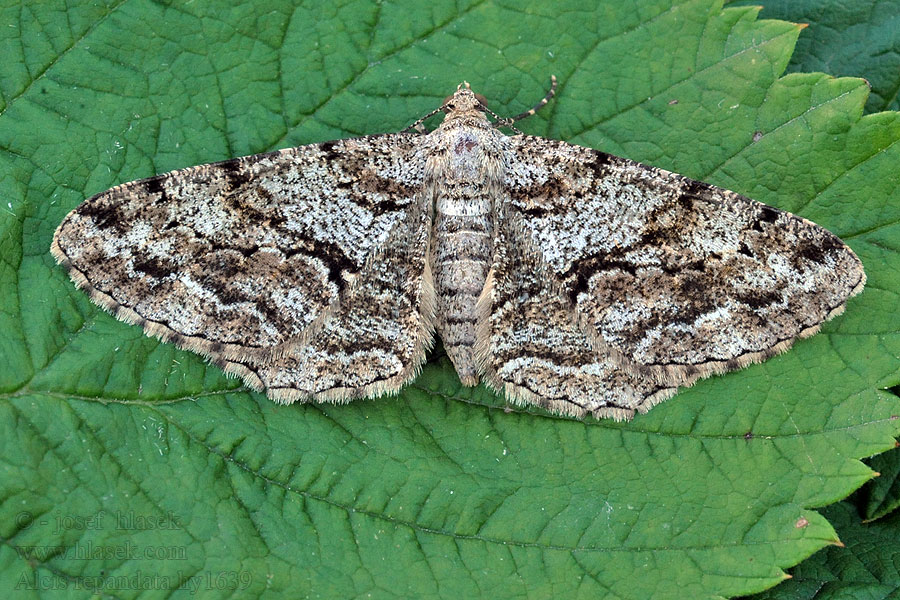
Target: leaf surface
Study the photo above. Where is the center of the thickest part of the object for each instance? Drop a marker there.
(441, 492)
(865, 568)
(855, 38)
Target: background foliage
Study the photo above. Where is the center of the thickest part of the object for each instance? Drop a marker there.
(130, 468)
(858, 38)
(862, 39)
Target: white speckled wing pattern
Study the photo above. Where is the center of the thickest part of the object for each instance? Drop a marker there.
(263, 264)
(674, 277)
(533, 350)
(373, 342)
(563, 277)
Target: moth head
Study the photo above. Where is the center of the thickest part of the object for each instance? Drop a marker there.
(464, 100)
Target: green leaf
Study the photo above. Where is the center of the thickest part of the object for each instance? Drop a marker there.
(881, 496)
(129, 467)
(862, 39)
(856, 38)
(865, 568)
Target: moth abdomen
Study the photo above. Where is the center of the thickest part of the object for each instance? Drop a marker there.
(461, 258)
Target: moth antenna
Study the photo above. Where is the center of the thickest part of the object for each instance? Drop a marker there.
(507, 122)
(501, 122)
(418, 124)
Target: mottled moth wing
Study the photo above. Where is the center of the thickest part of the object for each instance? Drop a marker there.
(374, 342)
(532, 349)
(673, 277)
(249, 261)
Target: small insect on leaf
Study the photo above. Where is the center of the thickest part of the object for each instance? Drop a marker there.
(562, 276)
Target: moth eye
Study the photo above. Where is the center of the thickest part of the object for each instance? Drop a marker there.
(481, 100)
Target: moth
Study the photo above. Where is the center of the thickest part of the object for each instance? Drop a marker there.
(561, 276)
